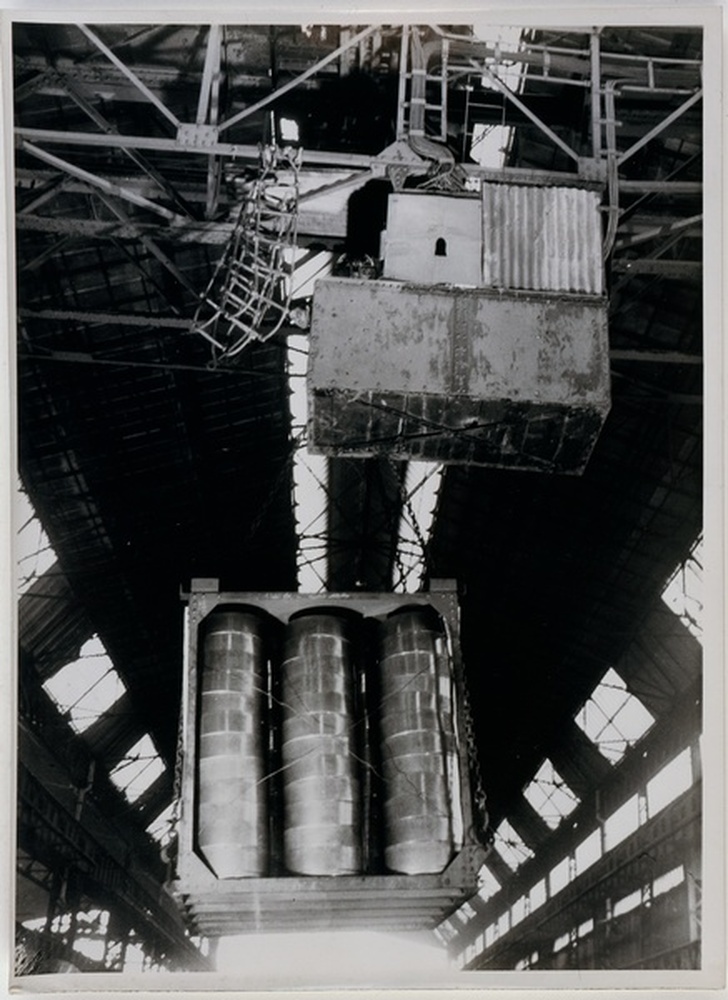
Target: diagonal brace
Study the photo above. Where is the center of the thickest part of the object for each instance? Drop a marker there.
(109, 187)
(697, 96)
(130, 75)
(331, 57)
(515, 100)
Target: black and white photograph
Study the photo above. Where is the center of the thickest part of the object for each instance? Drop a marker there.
(365, 462)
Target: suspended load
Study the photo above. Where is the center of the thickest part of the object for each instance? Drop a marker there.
(324, 782)
(484, 342)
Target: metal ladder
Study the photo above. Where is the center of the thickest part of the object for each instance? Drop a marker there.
(414, 111)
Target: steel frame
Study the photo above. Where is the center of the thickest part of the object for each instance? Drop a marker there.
(234, 905)
(678, 729)
(655, 75)
(662, 78)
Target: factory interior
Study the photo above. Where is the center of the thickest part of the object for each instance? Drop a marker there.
(382, 342)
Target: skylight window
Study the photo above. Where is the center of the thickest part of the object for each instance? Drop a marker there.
(613, 718)
(464, 914)
(510, 846)
(139, 769)
(490, 142)
(562, 941)
(518, 911)
(34, 551)
(88, 687)
(161, 828)
(446, 931)
(622, 823)
(670, 880)
(669, 782)
(560, 876)
(628, 903)
(684, 591)
(588, 852)
(91, 930)
(489, 884)
(289, 130)
(537, 895)
(550, 796)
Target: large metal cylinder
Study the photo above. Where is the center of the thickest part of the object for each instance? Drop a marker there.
(232, 815)
(418, 737)
(321, 792)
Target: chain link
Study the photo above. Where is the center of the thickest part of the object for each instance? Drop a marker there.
(173, 846)
(480, 810)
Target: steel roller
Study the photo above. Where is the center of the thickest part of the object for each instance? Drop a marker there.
(321, 793)
(417, 733)
(232, 814)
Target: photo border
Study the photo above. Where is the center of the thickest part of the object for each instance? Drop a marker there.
(712, 977)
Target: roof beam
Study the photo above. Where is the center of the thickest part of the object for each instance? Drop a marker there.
(108, 129)
(152, 247)
(96, 849)
(528, 824)
(114, 733)
(360, 161)
(155, 799)
(211, 233)
(655, 357)
(329, 225)
(209, 110)
(210, 72)
(524, 109)
(52, 624)
(576, 758)
(658, 129)
(689, 227)
(301, 78)
(678, 728)
(130, 75)
(101, 183)
(240, 151)
(54, 186)
(659, 267)
(107, 318)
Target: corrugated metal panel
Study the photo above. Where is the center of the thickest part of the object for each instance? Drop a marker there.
(542, 239)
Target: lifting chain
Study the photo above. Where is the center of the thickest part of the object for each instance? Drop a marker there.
(171, 850)
(480, 810)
